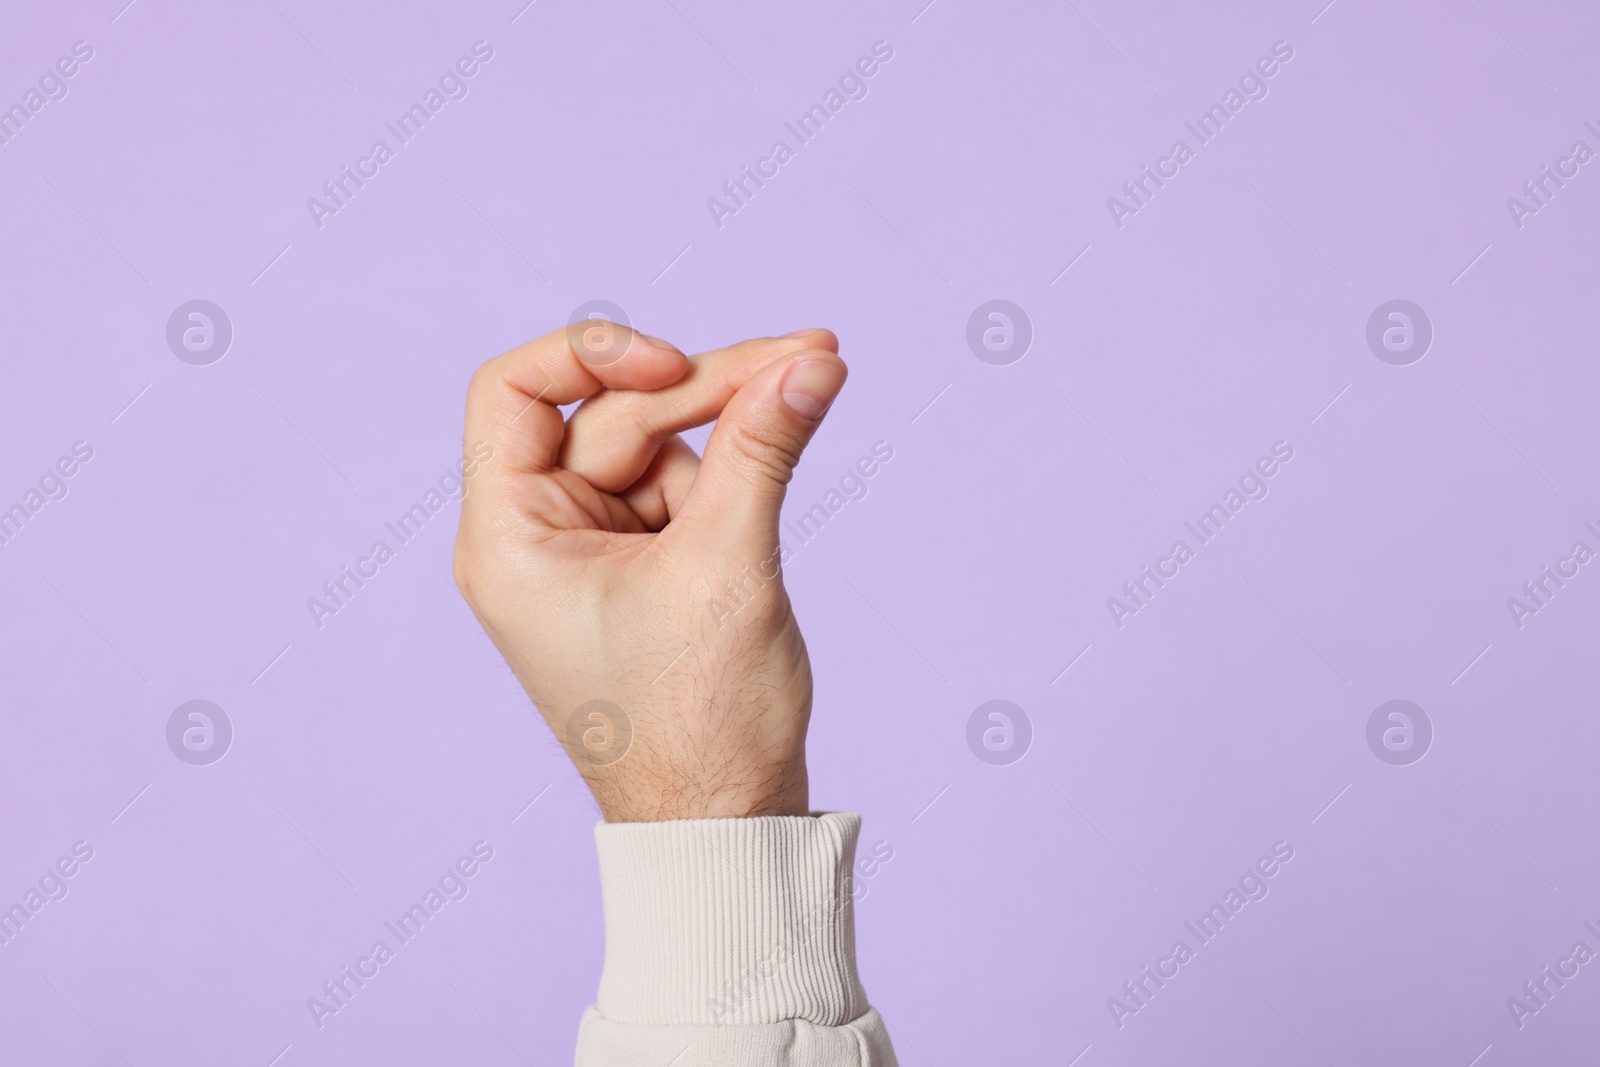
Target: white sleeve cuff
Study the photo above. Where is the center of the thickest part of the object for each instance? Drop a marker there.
(718, 922)
(731, 943)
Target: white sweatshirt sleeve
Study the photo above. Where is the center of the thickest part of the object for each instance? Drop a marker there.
(731, 943)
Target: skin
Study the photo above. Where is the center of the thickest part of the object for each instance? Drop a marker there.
(608, 563)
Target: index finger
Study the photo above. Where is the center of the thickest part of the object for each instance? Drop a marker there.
(514, 399)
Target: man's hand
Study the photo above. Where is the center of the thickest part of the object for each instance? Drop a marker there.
(618, 572)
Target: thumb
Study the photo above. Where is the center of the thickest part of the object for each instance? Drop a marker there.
(738, 490)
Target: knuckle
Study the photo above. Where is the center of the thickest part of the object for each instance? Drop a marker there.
(644, 418)
(765, 450)
(482, 378)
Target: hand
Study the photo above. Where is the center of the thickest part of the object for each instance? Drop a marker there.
(608, 563)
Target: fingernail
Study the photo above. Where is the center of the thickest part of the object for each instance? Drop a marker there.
(810, 385)
(667, 346)
(799, 333)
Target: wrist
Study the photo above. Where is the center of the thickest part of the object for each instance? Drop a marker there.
(660, 798)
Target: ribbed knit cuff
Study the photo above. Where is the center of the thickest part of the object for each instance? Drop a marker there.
(729, 921)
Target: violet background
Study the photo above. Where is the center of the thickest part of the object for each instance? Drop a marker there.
(1222, 318)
